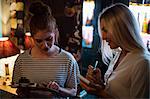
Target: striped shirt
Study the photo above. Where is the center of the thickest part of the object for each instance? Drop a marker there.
(61, 68)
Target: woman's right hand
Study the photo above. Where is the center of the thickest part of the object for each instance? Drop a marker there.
(94, 75)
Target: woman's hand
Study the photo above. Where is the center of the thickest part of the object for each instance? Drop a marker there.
(88, 88)
(62, 91)
(53, 86)
(89, 74)
(92, 88)
(94, 75)
(96, 84)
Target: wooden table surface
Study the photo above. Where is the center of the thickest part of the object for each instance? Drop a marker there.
(8, 89)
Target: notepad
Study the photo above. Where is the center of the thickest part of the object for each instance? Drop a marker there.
(84, 79)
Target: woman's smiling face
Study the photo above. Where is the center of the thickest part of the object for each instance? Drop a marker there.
(107, 34)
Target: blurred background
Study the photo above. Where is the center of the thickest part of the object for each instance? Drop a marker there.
(77, 24)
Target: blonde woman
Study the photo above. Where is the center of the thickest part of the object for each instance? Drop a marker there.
(128, 72)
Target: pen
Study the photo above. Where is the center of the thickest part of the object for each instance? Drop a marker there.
(95, 65)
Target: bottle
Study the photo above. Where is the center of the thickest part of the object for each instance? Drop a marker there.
(145, 24)
(148, 29)
(148, 45)
(7, 74)
(6, 70)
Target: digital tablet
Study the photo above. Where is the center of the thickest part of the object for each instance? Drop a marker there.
(33, 86)
(16, 85)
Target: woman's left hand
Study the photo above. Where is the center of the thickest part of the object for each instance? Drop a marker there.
(87, 87)
(92, 88)
(94, 75)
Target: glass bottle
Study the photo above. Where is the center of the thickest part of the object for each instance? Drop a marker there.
(7, 75)
(148, 29)
(145, 24)
(6, 70)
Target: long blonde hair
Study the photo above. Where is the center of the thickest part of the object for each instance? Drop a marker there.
(125, 28)
(106, 51)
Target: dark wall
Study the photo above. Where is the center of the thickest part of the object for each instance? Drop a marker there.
(109, 2)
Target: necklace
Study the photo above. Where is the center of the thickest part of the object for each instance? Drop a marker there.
(121, 56)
